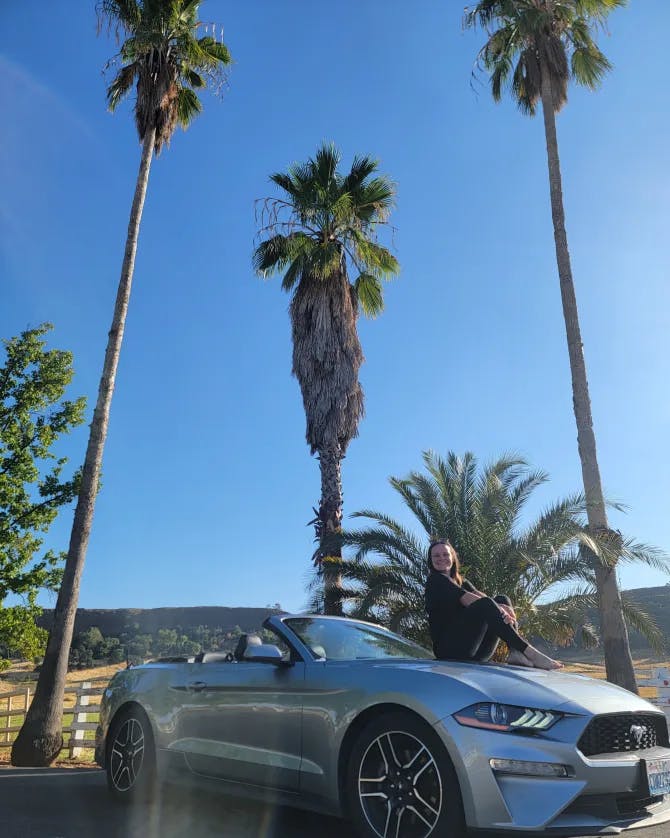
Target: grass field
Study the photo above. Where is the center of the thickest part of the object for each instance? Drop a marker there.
(20, 676)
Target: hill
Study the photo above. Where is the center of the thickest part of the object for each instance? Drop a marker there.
(656, 602)
(113, 622)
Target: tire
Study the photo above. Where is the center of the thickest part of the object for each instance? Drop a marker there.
(130, 759)
(401, 783)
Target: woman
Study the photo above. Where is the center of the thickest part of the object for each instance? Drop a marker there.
(465, 624)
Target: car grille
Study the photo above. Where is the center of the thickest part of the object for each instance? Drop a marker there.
(623, 732)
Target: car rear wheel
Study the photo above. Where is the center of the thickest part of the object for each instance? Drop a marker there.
(131, 756)
(401, 782)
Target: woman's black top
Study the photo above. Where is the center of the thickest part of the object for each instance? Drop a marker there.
(443, 604)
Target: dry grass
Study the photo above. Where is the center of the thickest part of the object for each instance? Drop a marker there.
(642, 666)
(22, 675)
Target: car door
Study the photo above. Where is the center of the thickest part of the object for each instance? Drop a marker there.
(242, 721)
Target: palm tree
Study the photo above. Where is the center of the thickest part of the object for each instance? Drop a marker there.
(325, 223)
(167, 63)
(536, 47)
(480, 510)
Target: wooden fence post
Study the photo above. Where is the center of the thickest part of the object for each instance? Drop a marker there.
(8, 720)
(662, 678)
(79, 717)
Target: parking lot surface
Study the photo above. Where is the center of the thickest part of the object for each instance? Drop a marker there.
(74, 803)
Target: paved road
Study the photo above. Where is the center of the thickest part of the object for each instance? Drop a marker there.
(72, 803)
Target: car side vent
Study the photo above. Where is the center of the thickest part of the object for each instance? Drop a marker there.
(618, 732)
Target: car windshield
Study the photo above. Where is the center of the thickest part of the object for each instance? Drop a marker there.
(348, 640)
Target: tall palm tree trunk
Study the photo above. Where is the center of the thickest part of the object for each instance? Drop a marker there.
(618, 661)
(40, 739)
(330, 518)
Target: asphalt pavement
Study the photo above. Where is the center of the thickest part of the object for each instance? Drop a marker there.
(74, 803)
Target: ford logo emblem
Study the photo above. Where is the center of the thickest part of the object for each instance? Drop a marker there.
(637, 733)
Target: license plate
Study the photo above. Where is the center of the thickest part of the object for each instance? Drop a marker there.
(658, 776)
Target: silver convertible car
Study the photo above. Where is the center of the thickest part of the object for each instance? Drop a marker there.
(346, 718)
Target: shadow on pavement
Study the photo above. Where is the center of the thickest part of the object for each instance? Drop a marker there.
(74, 803)
(71, 803)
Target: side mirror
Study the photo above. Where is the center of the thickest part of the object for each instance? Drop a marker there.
(265, 653)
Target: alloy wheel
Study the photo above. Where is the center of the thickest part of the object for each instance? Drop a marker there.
(399, 786)
(127, 755)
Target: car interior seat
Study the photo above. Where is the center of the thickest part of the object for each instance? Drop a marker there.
(243, 643)
(214, 657)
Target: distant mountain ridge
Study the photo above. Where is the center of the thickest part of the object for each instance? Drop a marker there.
(113, 622)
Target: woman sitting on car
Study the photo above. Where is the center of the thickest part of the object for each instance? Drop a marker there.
(466, 624)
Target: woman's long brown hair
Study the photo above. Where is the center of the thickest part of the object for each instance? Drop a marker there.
(455, 571)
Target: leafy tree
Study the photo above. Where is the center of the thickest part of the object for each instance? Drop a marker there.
(33, 416)
(165, 642)
(87, 647)
(19, 634)
(204, 636)
(480, 511)
(115, 651)
(138, 647)
(167, 64)
(325, 225)
(536, 47)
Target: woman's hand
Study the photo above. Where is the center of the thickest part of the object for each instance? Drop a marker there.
(507, 612)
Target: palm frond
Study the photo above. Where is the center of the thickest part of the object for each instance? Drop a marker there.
(121, 85)
(361, 169)
(643, 623)
(188, 106)
(634, 552)
(119, 14)
(370, 294)
(589, 66)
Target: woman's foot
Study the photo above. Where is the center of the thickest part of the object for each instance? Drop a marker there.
(540, 661)
(517, 658)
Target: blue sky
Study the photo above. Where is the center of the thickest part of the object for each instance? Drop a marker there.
(208, 482)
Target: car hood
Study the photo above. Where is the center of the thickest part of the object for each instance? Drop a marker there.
(564, 691)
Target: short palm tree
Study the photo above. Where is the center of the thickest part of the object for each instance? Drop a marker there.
(166, 63)
(325, 225)
(480, 510)
(536, 47)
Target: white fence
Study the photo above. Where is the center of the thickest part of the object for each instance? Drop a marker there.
(14, 705)
(660, 679)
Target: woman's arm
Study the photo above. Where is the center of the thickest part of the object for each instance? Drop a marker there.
(471, 595)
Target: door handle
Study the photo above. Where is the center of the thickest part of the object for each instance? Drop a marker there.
(197, 686)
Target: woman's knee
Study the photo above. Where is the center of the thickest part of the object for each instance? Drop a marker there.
(502, 599)
(489, 605)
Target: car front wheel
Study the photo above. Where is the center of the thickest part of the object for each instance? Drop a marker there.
(401, 782)
(131, 757)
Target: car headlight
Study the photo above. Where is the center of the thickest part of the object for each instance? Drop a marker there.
(507, 717)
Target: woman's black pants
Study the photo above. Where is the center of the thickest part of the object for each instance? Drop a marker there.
(475, 635)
